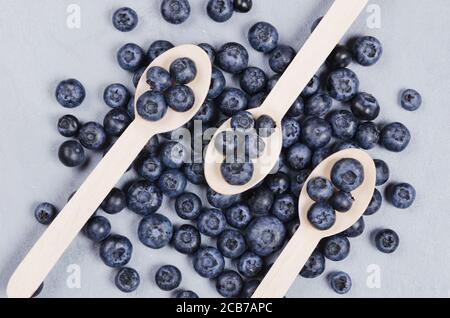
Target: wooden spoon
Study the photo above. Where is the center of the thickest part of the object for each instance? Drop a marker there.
(300, 247)
(312, 55)
(52, 244)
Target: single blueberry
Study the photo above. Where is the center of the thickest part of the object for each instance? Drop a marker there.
(221, 201)
(312, 87)
(253, 80)
(322, 216)
(210, 50)
(229, 284)
(284, 207)
(188, 206)
(257, 100)
(242, 122)
(232, 58)
(336, 248)
(144, 198)
(116, 96)
(320, 155)
(231, 244)
(272, 82)
(175, 11)
(347, 174)
(263, 37)
(297, 109)
(411, 100)
(231, 101)
(168, 277)
(395, 137)
(356, 229)
(115, 201)
(375, 203)
(194, 173)
(250, 265)
(238, 216)
(211, 222)
(45, 213)
(187, 239)
(125, 19)
(220, 10)
(260, 201)
(318, 105)
(68, 126)
(265, 235)
(172, 183)
(208, 262)
(315, 265)
(367, 50)
(116, 121)
(383, 172)
(155, 231)
(183, 70)
(92, 136)
(341, 201)
(151, 106)
(180, 98)
(127, 280)
(249, 288)
(218, 83)
(97, 228)
(150, 168)
(365, 106)
(291, 131)
(187, 294)
(298, 179)
(344, 124)
(131, 57)
(157, 48)
(236, 173)
(319, 189)
(343, 145)
(340, 57)
(242, 6)
(173, 154)
(116, 251)
(207, 113)
(158, 79)
(280, 58)
(342, 84)
(71, 154)
(401, 195)
(278, 183)
(316, 132)
(299, 156)
(340, 282)
(367, 135)
(387, 241)
(70, 93)
(137, 75)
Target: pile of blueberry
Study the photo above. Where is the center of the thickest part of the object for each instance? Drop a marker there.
(331, 114)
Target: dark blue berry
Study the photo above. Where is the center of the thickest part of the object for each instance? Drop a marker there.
(238, 216)
(298, 179)
(340, 57)
(221, 201)
(249, 288)
(125, 19)
(71, 154)
(173, 154)
(172, 183)
(183, 70)
(188, 206)
(265, 235)
(175, 11)
(218, 83)
(210, 50)
(130, 108)
(343, 145)
(45, 213)
(232, 58)
(340, 282)
(144, 198)
(367, 50)
(242, 122)
(68, 126)
(383, 172)
(315, 265)
(250, 265)
(344, 124)
(291, 131)
(365, 106)
(341, 201)
(260, 201)
(253, 80)
(127, 280)
(242, 6)
(347, 174)
(312, 87)
(316, 132)
(336, 248)
(375, 203)
(116, 251)
(263, 37)
(231, 244)
(211, 222)
(70, 93)
(320, 155)
(401, 195)
(229, 284)
(208, 262)
(114, 202)
(356, 229)
(411, 100)
(149, 168)
(319, 189)
(194, 173)
(97, 228)
(272, 82)
(92, 136)
(220, 10)
(232, 100)
(395, 137)
(137, 76)
(131, 57)
(297, 109)
(168, 277)
(342, 84)
(299, 156)
(284, 207)
(155, 231)
(367, 135)
(278, 183)
(151, 106)
(116, 121)
(237, 173)
(158, 79)
(281, 57)
(157, 48)
(186, 239)
(257, 100)
(387, 241)
(180, 98)
(187, 294)
(322, 216)
(116, 96)
(318, 105)
(207, 113)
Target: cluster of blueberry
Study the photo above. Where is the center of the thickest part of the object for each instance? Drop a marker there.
(254, 225)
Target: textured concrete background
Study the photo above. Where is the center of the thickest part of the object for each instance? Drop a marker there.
(39, 50)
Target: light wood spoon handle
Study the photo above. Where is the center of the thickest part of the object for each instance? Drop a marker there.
(288, 265)
(52, 244)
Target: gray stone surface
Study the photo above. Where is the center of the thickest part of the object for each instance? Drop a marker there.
(38, 50)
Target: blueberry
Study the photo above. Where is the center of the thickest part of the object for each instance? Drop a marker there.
(291, 131)
(401, 195)
(365, 106)
(242, 6)
(158, 79)
(298, 179)
(356, 229)
(211, 222)
(336, 248)
(253, 80)
(238, 216)
(375, 203)
(319, 189)
(116, 96)
(272, 82)
(155, 231)
(340, 282)
(172, 183)
(97, 228)
(221, 201)
(260, 201)
(125, 19)
(367, 50)
(341, 201)
(320, 155)
(144, 198)
(367, 135)
(231, 101)
(188, 206)
(315, 265)
(210, 50)
(280, 58)
(236, 173)
(229, 284)
(284, 207)
(395, 137)
(127, 280)
(131, 57)
(340, 57)
(347, 174)
(71, 154)
(116, 251)
(299, 156)
(343, 145)
(232, 58)
(114, 202)
(411, 100)
(220, 10)
(151, 106)
(231, 244)
(183, 70)
(383, 172)
(45, 213)
(278, 183)
(194, 173)
(297, 109)
(265, 235)
(68, 126)
(173, 154)
(186, 239)
(92, 136)
(168, 277)
(207, 113)
(342, 84)
(157, 48)
(344, 124)
(70, 93)
(242, 122)
(187, 294)
(312, 87)
(180, 98)
(250, 265)
(257, 100)
(208, 262)
(318, 105)
(292, 227)
(150, 168)
(387, 241)
(175, 11)
(137, 75)
(263, 37)
(322, 216)
(218, 83)
(316, 132)
(116, 121)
